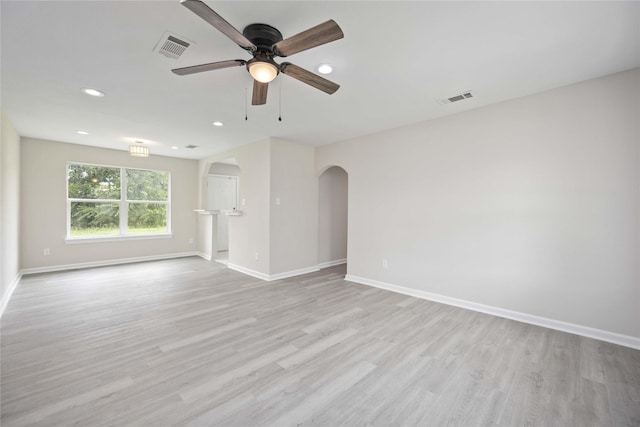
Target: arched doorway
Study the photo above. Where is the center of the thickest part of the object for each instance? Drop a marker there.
(332, 217)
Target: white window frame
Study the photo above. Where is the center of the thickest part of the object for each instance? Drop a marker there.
(123, 208)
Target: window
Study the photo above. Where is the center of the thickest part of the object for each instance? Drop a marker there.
(105, 201)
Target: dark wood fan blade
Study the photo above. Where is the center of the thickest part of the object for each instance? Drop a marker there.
(309, 78)
(208, 67)
(259, 93)
(316, 36)
(218, 22)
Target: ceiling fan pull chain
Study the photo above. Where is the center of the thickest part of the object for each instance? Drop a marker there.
(280, 101)
(245, 104)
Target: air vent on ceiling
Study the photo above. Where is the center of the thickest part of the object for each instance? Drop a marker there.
(171, 46)
(191, 147)
(457, 98)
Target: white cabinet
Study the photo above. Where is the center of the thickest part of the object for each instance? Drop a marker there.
(222, 193)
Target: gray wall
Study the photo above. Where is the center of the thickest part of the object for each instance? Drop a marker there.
(293, 222)
(43, 225)
(9, 206)
(530, 205)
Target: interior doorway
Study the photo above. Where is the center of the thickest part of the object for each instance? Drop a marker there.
(222, 199)
(333, 217)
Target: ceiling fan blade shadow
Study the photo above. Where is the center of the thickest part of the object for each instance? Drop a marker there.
(208, 67)
(320, 34)
(218, 22)
(309, 78)
(259, 96)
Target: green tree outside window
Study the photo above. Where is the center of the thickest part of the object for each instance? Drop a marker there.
(108, 201)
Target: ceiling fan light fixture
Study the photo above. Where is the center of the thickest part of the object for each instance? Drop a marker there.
(262, 71)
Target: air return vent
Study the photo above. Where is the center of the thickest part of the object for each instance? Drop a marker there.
(171, 46)
(456, 98)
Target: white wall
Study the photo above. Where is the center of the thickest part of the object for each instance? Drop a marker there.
(530, 205)
(333, 214)
(293, 222)
(43, 189)
(224, 169)
(9, 208)
(207, 223)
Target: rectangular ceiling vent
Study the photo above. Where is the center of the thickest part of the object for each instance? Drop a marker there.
(191, 147)
(171, 46)
(457, 98)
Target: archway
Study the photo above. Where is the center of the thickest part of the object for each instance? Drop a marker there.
(332, 217)
(222, 200)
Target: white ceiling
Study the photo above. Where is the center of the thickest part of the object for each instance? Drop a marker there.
(396, 60)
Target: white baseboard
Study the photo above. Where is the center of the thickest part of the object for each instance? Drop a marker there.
(204, 255)
(104, 263)
(7, 295)
(248, 271)
(332, 263)
(293, 273)
(272, 277)
(572, 328)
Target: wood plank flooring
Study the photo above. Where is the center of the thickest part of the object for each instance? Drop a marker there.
(190, 342)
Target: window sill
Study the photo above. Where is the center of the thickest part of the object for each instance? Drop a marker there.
(222, 212)
(81, 240)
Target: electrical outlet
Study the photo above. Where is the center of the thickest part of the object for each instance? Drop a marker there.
(244, 202)
(46, 252)
(277, 200)
(385, 264)
(257, 257)
(191, 240)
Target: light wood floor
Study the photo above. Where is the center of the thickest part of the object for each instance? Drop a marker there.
(189, 342)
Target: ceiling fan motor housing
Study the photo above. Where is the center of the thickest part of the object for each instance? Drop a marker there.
(263, 36)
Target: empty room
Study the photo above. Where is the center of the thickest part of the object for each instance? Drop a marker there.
(331, 213)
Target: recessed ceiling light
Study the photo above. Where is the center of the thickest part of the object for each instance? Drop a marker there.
(82, 132)
(325, 69)
(174, 148)
(216, 123)
(93, 92)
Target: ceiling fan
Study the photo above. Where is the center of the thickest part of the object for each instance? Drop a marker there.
(265, 42)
